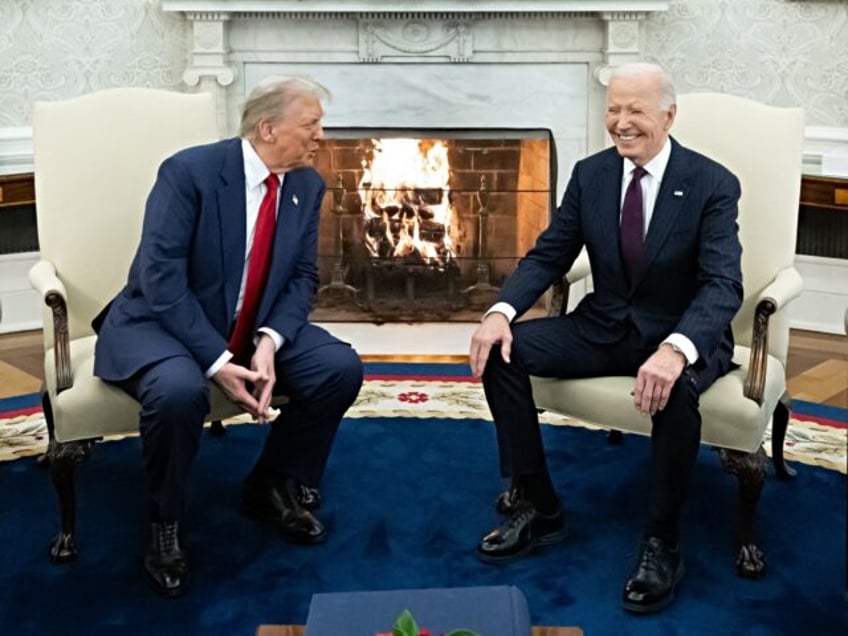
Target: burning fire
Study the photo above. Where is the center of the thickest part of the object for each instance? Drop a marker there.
(405, 199)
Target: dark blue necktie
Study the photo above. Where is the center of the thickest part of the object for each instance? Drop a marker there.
(630, 233)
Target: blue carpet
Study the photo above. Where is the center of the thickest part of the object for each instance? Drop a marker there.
(406, 501)
(16, 402)
(823, 411)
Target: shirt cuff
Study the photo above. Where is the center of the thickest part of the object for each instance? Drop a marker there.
(685, 345)
(277, 338)
(502, 308)
(223, 359)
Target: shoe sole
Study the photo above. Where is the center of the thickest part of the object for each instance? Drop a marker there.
(259, 515)
(552, 538)
(636, 608)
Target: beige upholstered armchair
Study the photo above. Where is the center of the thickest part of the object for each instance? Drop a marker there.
(762, 145)
(96, 158)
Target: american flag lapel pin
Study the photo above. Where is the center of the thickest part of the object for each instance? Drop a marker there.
(295, 199)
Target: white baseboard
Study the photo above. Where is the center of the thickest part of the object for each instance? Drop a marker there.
(16, 150)
(822, 304)
(20, 305)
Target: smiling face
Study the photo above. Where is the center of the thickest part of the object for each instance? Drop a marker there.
(636, 119)
(292, 140)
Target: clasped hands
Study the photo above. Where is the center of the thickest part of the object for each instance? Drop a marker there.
(654, 380)
(233, 379)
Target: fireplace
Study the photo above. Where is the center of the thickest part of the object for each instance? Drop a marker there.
(428, 66)
(424, 225)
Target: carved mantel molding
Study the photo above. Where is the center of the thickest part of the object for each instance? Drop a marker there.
(411, 31)
(323, 7)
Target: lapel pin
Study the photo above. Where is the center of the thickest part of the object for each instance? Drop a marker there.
(295, 200)
(678, 193)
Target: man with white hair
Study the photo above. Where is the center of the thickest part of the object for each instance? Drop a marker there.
(221, 288)
(659, 224)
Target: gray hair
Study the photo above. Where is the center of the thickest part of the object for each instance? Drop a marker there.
(271, 98)
(668, 95)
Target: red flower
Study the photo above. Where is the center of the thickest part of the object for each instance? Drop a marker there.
(413, 397)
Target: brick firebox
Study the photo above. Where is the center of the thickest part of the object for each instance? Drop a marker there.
(500, 190)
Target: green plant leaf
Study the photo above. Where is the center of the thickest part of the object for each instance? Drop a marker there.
(405, 625)
(462, 632)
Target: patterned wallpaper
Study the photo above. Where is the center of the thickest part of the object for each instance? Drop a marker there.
(784, 52)
(51, 49)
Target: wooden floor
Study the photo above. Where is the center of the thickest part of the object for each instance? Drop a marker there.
(817, 366)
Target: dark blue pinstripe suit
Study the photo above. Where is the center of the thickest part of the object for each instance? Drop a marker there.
(690, 282)
(172, 320)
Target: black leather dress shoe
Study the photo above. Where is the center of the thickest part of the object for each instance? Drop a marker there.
(307, 496)
(166, 564)
(523, 530)
(651, 586)
(279, 505)
(508, 499)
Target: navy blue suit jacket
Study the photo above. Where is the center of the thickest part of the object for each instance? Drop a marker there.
(690, 280)
(183, 284)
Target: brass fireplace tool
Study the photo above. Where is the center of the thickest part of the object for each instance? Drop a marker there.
(337, 275)
(483, 284)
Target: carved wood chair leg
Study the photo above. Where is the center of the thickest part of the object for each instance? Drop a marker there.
(63, 547)
(750, 471)
(216, 428)
(43, 460)
(63, 461)
(779, 426)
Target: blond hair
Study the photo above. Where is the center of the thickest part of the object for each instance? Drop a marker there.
(271, 98)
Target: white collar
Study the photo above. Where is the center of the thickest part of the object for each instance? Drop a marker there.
(656, 166)
(255, 170)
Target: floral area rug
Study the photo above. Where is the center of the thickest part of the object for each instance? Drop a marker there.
(456, 397)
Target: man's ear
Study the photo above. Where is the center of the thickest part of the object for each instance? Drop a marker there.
(670, 114)
(266, 131)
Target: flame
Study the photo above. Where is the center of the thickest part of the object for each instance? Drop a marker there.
(405, 199)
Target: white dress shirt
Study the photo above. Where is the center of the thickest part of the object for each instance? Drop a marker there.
(255, 173)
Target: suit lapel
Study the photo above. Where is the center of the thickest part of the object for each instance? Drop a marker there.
(287, 233)
(232, 219)
(608, 204)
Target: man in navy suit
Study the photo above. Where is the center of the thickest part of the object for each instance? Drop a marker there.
(660, 310)
(168, 332)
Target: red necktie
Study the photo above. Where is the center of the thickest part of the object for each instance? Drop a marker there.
(258, 266)
(630, 233)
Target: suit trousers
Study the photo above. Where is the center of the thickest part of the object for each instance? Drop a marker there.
(321, 381)
(554, 347)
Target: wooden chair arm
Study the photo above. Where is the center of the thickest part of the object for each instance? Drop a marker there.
(43, 278)
(785, 287)
(755, 381)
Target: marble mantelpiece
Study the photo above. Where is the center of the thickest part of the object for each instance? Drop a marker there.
(432, 63)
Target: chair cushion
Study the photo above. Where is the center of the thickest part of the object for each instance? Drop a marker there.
(729, 420)
(94, 408)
